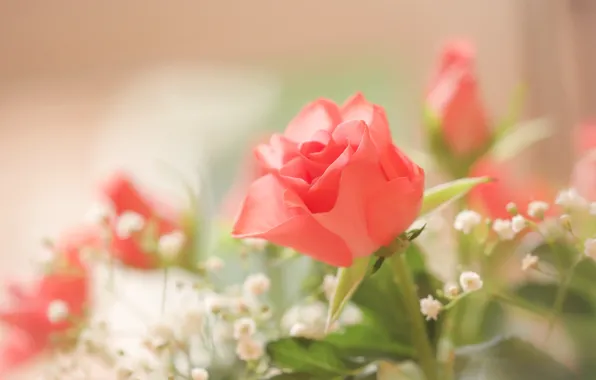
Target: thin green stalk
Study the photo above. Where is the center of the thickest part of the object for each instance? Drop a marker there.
(420, 338)
(560, 297)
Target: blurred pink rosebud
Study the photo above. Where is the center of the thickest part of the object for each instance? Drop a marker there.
(134, 211)
(27, 314)
(455, 100)
(583, 178)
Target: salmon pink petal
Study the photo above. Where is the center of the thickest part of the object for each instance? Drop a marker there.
(585, 138)
(393, 207)
(358, 108)
(456, 52)
(359, 179)
(274, 155)
(130, 253)
(121, 190)
(322, 114)
(16, 349)
(265, 214)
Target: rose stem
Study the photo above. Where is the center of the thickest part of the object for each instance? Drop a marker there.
(420, 339)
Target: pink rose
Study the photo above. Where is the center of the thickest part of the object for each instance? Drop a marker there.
(335, 187)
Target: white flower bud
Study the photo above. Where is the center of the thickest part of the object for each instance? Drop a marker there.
(430, 307)
(590, 248)
(244, 328)
(470, 281)
(511, 208)
(504, 229)
(248, 350)
(570, 199)
(57, 311)
(299, 330)
(214, 264)
(529, 261)
(215, 303)
(536, 209)
(170, 245)
(351, 315)
(257, 284)
(518, 223)
(199, 374)
(329, 285)
(466, 220)
(451, 290)
(128, 223)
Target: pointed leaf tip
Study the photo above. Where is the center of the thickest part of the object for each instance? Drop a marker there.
(443, 194)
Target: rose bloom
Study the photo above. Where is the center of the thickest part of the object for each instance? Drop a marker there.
(335, 188)
(455, 99)
(31, 330)
(125, 197)
(492, 198)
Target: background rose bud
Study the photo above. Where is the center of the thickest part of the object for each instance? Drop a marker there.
(127, 200)
(492, 198)
(585, 138)
(31, 331)
(454, 100)
(337, 187)
(583, 178)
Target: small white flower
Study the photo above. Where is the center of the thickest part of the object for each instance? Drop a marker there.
(504, 229)
(511, 208)
(593, 208)
(518, 223)
(248, 350)
(430, 307)
(451, 290)
(466, 220)
(590, 248)
(100, 213)
(536, 209)
(351, 315)
(329, 285)
(128, 223)
(162, 333)
(470, 281)
(192, 321)
(244, 328)
(214, 264)
(529, 261)
(571, 199)
(299, 330)
(57, 311)
(170, 245)
(257, 284)
(199, 374)
(215, 303)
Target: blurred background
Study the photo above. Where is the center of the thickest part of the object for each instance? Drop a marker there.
(155, 87)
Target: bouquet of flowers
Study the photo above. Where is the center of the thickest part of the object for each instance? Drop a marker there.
(336, 263)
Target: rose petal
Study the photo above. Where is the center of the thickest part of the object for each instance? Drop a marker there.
(359, 179)
(274, 155)
(322, 114)
(16, 349)
(393, 207)
(358, 108)
(266, 215)
(121, 190)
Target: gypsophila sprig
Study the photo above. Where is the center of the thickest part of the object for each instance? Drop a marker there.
(529, 262)
(470, 281)
(430, 307)
(537, 209)
(128, 223)
(504, 229)
(570, 199)
(466, 221)
(58, 311)
(518, 223)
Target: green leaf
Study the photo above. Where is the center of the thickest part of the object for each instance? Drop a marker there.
(508, 358)
(318, 358)
(543, 295)
(521, 138)
(442, 194)
(369, 342)
(296, 376)
(348, 280)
